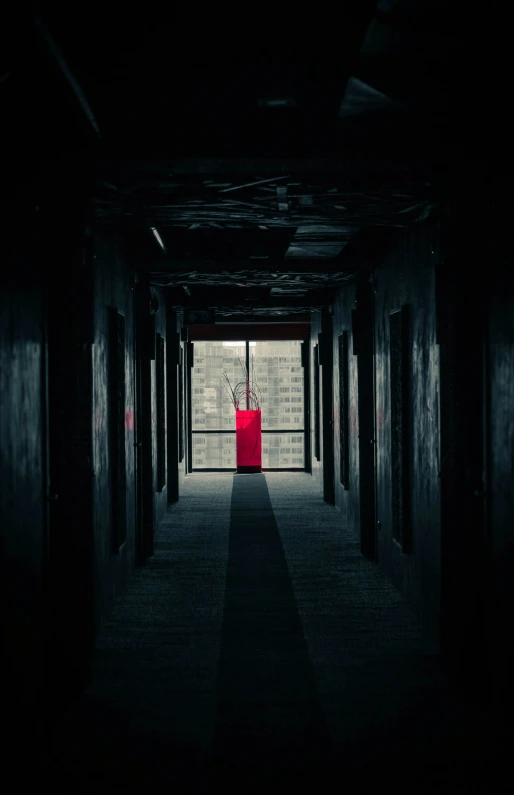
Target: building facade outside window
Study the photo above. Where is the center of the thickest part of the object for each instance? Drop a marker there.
(276, 368)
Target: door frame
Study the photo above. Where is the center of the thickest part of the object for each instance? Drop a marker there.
(144, 335)
(363, 333)
(69, 598)
(326, 348)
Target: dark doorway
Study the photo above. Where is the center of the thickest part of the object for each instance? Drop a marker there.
(464, 551)
(344, 410)
(116, 426)
(160, 411)
(181, 417)
(327, 406)
(69, 593)
(363, 348)
(315, 401)
(306, 364)
(172, 404)
(145, 354)
(400, 358)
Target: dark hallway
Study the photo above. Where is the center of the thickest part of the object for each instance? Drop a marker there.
(289, 228)
(259, 649)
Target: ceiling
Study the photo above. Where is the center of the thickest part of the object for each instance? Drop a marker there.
(250, 161)
(283, 231)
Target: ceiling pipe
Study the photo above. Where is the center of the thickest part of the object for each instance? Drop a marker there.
(70, 78)
(158, 238)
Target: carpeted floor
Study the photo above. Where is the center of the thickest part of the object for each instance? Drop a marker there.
(268, 716)
(259, 651)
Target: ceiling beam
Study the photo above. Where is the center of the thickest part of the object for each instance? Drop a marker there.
(254, 331)
(295, 265)
(336, 163)
(212, 297)
(249, 317)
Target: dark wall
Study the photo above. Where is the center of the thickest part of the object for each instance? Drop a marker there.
(406, 279)
(315, 405)
(159, 482)
(22, 481)
(347, 499)
(62, 567)
(113, 290)
(181, 401)
(65, 380)
(46, 477)
(185, 398)
(462, 311)
(172, 402)
(500, 456)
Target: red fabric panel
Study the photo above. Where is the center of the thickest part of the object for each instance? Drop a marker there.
(248, 439)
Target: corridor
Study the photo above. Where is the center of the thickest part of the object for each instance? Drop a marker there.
(258, 649)
(308, 216)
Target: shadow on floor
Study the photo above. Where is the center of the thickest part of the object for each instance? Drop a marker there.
(98, 747)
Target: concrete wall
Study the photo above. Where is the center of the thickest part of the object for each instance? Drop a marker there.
(161, 496)
(317, 466)
(181, 403)
(60, 574)
(45, 562)
(182, 417)
(407, 277)
(347, 500)
(462, 308)
(172, 441)
(500, 453)
(113, 288)
(22, 481)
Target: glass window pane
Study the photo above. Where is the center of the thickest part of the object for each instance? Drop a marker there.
(214, 451)
(211, 404)
(282, 450)
(277, 365)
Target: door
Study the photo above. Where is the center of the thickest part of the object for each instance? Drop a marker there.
(69, 592)
(363, 348)
(327, 405)
(145, 354)
(463, 409)
(172, 403)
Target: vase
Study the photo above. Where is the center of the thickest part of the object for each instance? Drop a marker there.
(248, 441)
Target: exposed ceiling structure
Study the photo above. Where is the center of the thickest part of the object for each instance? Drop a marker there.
(250, 162)
(294, 234)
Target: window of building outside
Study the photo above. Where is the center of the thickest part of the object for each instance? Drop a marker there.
(276, 368)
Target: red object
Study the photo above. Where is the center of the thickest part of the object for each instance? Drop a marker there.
(248, 441)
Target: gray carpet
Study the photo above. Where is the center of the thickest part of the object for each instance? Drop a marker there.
(259, 650)
(269, 719)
